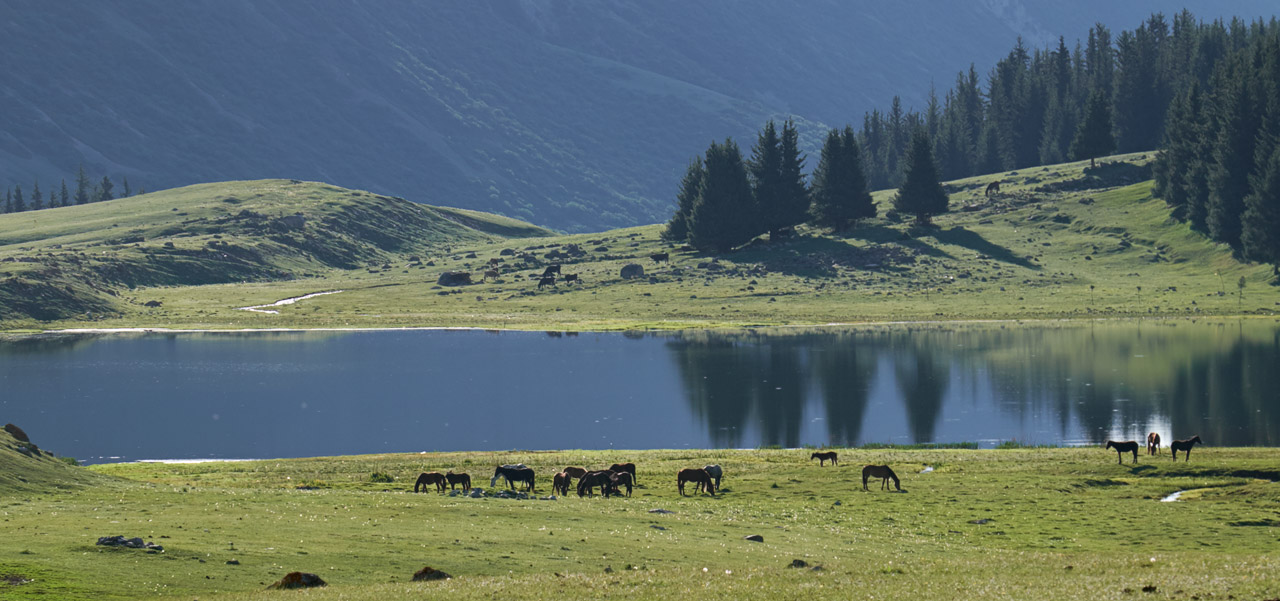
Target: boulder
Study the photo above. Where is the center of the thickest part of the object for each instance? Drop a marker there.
(298, 580)
(454, 278)
(632, 270)
(429, 573)
(754, 537)
(16, 432)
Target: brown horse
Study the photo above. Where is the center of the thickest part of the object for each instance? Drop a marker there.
(823, 457)
(575, 472)
(1153, 444)
(603, 479)
(625, 467)
(993, 188)
(1185, 447)
(698, 476)
(426, 479)
(1128, 446)
(880, 471)
(454, 479)
(560, 484)
(622, 479)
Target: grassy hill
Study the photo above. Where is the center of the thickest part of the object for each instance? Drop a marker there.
(25, 468)
(1059, 241)
(60, 263)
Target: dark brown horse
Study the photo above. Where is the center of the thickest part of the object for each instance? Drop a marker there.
(603, 479)
(560, 484)
(625, 467)
(880, 471)
(575, 472)
(454, 479)
(823, 457)
(426, 479)
(698, 476)
(1153, 444)
(1185, 447)
(622, 479)
(513, 474)
(993, 188)
(1128, 446)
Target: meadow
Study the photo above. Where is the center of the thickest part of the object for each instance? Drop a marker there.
(1017, 522)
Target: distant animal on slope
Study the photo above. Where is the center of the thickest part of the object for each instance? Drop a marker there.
(1128, 446)
(622, 479)
(513, 474)
(1153, 444)
(1185, 447)
(880, 471)
(560, 484)
(547, 280)
(715, 472)
(551, 270)
(603, 479)
(426, 479)
(993, 188)
(570, 278)
(454, 479)
(625, 467)
(491, 274)
(823, 457)
(660, 257)
(698, 476)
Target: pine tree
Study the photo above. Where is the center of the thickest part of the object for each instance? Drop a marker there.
(19, 204)
(64, 197)
(1093, 137)
(37, 197)
(104, 190)
(921, 193)
(840, 196)
(1181, 134)
(125, 183)
(678, 228)
(765, 171)
(1260, 237)
(82, 187)
(1233, 159)
(8, 201)
(721, 217)
(794, 193)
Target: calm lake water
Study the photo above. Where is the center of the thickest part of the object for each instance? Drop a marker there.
(232, 395)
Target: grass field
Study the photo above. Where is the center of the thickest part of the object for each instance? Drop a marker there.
(1058, 242)
(1013, 523)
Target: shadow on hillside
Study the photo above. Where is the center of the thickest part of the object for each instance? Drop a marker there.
(975, 242)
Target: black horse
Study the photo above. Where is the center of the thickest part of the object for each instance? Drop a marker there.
(603, 479)
(513, 475)
(1128, 446)
(1185, 447)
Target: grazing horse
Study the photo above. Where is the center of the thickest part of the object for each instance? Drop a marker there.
(993, 188)
(1128, 446)
(1185, 447)
(570, 278)
(715, 472)
(491, 274)
(659, 257)
(552, 269)
(426, 479)
(603, 479)
(625, 467)
(880, 471)
(464, 479)
(823, 457)
(698, 476)
(560, 484)
(621, 479)
(513, 474)
(1153, 444)
(546, 280)
(575, 472)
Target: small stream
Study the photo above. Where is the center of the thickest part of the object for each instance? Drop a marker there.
(287, 301)
(1173, 497)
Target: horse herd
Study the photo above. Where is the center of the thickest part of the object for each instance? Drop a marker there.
(1153, 447)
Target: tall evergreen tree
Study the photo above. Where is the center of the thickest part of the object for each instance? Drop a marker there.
(1181, 136)
(794, 193)
(840, 196)
(765, 172)
(64, 197)
(921, 193)
(1093, 137)
(1233, 159)
(37, 197)
(722, 214)
(1260, 236)
(125, 184)
(8, 201)
(678, 228)
(82, 187)
(104, 190)
(19, 203)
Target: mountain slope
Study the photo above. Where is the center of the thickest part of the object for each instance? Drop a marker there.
(574, 114)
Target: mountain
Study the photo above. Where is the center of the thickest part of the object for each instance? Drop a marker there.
(573, 114)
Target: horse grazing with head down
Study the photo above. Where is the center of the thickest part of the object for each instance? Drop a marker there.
(715, 472)
(560, 484)
(823, 457)
(454, 479)
(880, 471)
(698, 476)
(1185, 447)
(513, 474)
(426, 479)
(602, 478)
(1153, 444)
(1128, 446)
(625, 467)
(621, 479)
(993, 188)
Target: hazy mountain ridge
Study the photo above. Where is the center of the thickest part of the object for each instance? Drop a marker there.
(572, 114)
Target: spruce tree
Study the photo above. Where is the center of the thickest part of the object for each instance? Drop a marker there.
(840, 196)
(104, 190)
(19, 204)
(1233, 159)
(1173, 160)
(8, 201)
(765, 171)
(678, 228)
(921, 193)
(721, 217)
(64, 197)
(1093, 137)
(794, 193)
(37, 197)
(82, 187)
(1260, 237)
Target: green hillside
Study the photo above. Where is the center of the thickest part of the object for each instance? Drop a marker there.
(67, 262)
(26, 468)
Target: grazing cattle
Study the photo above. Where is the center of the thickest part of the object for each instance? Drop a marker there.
(715, 472)
(603, 479)
(621, 479)
(560, 484)
(1153, 444)
(993, 188)
(660, 257)
(570, 278)
(1185, 447)
(1128, 446)
(546, 280)
(823, 457)
(698, 476)
(513, 474)
(426, 479)
(454, 479)
(550, 270)
(625, 467)
(880, 471)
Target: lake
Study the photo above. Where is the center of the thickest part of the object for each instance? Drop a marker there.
(123, 397)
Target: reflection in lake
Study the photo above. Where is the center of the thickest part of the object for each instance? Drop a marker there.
(302, 394)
